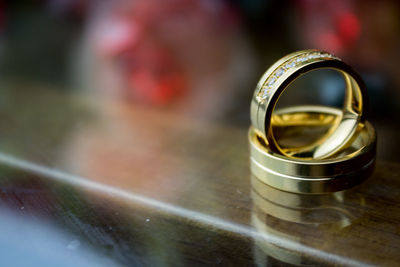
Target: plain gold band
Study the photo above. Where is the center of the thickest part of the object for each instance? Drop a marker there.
(314, 176)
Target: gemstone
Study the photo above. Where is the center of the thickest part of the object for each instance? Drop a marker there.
(271, 81)
(280, 72)
(263, 94)
(290, 65)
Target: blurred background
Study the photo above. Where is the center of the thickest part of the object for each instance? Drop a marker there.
(153, 97)
(199, 59)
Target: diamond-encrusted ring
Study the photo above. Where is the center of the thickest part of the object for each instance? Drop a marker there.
(281, 74)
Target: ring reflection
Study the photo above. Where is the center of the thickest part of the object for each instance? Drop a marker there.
(305, 219)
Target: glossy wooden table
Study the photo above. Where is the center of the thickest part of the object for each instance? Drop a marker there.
(88, 182)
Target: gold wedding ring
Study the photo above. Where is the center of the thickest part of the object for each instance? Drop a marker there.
(286, 70)
(303, 159)
(346, 169)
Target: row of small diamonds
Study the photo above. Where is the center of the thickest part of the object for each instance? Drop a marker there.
(266, 90)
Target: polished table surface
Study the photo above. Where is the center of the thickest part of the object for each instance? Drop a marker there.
(96, 182)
